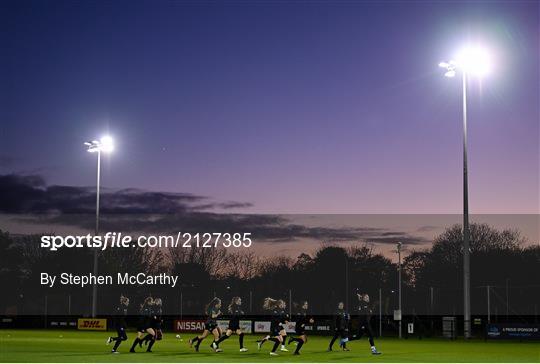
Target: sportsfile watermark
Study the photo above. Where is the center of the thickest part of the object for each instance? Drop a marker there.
(325, 259)
(120, 240)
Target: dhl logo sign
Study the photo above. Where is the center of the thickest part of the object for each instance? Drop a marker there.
(92, 324)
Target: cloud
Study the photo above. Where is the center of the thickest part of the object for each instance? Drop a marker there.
(225, 205)
(427, 228)
(268, 228)
(235, 205)
(138, 211)
(29, 194)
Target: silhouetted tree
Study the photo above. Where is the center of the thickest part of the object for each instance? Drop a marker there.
(495, 257)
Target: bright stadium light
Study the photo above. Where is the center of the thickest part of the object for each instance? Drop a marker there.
(474, 60)
(471, 61)
(450, 68)
(105, 145)
(450, 74)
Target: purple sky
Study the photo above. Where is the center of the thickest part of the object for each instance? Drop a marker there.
(295, 107)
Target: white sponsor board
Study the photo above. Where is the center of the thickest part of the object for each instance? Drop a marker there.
(289, 327)
(264, 326)
(261, 326)
(245, 325)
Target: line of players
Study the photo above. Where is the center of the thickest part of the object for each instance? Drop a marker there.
(149, 326)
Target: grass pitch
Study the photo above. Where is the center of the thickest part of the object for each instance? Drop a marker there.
(87, 346)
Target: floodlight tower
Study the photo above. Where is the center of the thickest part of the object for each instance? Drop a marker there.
(104, 145)
(399, 245)
(471, 61)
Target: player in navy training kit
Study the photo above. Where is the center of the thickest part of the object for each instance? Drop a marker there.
(301, 320)
(235, 313)
(365, 310)
(213, 312)
(277, 329)
(341, 326)
(120, 324)
(156, 311)
(145, 324)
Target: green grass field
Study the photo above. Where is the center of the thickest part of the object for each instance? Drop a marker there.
(85, 346)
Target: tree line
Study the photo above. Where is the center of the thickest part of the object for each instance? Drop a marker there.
(432, 278)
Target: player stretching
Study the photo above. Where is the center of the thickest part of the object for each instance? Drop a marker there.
(120, 324)
(235, 311)
(145, 324)
(213, 311)
(159, 320)
(364, 316)
(341, 327)
(277, 329)
(155, 324)
(301, 319)
(283, 320)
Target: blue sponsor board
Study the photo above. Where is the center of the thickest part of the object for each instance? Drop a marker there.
(513, 331)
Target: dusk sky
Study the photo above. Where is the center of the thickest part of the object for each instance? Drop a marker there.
(323, 107)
